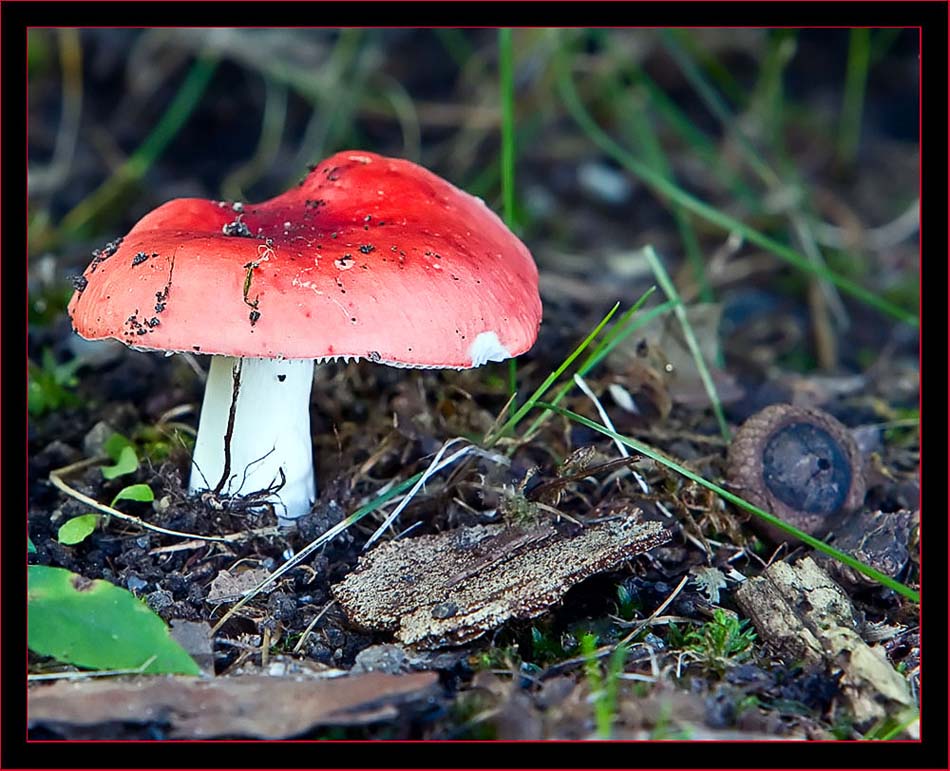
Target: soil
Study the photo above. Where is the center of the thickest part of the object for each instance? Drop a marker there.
(373, 426)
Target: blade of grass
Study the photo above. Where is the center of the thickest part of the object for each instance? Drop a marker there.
(781, 49)
(892, 727)
(768, 98)
(456, 45)
(821, 546)
(175, 116)
(507, 88)
(663, 279)
(646, 137)
(704, 210)
(507, 94)
(618, 332)
(717, 70)
(549, 381)
(702, 144)
(715, 103)
(852, 106)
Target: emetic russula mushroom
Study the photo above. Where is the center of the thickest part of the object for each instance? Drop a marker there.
(366, 258)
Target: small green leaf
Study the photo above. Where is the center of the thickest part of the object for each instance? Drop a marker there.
(96, 625)
(126, 463)
(114, 445)
(77, 529)
(141, 493)
(30, 548)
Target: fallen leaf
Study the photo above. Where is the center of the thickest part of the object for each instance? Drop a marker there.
(228, 586)
(247, 706)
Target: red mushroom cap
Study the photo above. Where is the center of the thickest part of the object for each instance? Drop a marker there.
(368, 256)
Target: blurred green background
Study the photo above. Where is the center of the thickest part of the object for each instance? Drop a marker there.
(618, 138)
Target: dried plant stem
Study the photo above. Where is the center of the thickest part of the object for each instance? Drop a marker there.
(56, 479)
(311, 625)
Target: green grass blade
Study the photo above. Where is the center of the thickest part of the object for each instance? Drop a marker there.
(699, 142)
(718, 72)
(456, 45)
(507, 87)
(707, 212)
(663, 279)
(716, 105)
(644, 136)
(549, 381)
(619, 331)
(507, 92)
(859, 57)
(821, 546)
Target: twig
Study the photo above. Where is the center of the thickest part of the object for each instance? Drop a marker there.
(85, 675)
(56, 479)
(605, 418)
(202, 541)
(877, 239)
(649, 619)
(312, 624)
(437, 465)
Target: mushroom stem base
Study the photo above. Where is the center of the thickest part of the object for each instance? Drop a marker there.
(254, 444)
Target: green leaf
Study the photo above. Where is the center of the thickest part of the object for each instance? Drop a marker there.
(77, 529)
(114, 445)
(96, 625)
(141, 493)
(123, 455)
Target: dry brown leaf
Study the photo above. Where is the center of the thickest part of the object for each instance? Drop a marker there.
(228, 586)
(247, 706)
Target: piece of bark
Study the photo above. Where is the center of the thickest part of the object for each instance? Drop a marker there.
(877, 538)
(808, 618)
(447, 589)
(247, 706)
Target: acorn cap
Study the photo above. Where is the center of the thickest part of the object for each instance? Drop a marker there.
(367, 257)
(799, 464)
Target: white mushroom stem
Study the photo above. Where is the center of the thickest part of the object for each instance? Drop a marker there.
(254, 434)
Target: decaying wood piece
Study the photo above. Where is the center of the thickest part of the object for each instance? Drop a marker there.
(447, 589)
(879, 539)
(808, 618)
(249, 706)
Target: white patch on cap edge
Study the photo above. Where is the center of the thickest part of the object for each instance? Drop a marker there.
(487, 347)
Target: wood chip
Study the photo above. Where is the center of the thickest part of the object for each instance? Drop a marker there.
(807, 617)
(247, 706)
(447, 589)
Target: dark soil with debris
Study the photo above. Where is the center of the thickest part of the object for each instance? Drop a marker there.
(773, 336)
